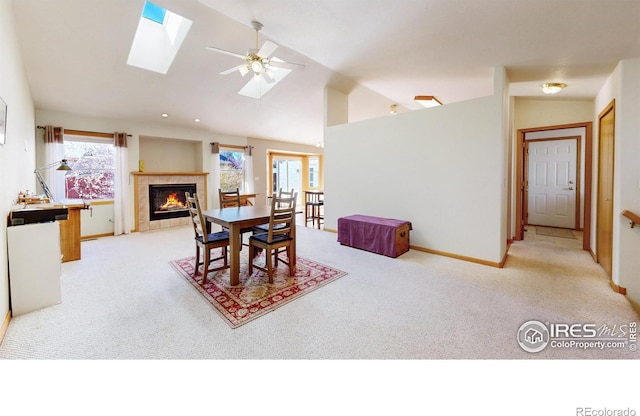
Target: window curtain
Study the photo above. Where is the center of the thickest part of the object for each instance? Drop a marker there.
(215, 169)
(121, 220)
(248, 170)
(53, 152)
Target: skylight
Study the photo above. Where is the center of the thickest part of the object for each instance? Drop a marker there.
(158, 38)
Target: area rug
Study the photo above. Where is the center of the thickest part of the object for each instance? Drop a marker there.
(254, 296)
(555, 232)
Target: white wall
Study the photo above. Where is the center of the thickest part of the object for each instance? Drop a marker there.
(17, 160)
(530, 113)
(624, 87)
(426, 166)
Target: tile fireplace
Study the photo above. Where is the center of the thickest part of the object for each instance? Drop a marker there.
(169, 201)
(144, 182)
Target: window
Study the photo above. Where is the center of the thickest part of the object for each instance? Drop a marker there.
(231, 170)
(314, 172)
(92, 161)
(158, 38)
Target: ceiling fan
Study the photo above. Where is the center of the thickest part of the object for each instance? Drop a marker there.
(267, 70)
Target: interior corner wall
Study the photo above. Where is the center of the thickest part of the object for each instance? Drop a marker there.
(626, 240)
(17, 155)
(441, 168)
(336, 107)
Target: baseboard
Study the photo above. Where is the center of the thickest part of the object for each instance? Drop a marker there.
(331, 230)
(94, 236)
(593, 255)
(618, 289)
(465, 258)
(5, 325)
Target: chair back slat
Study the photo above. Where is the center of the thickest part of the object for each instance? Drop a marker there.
(229, 198)
(199, 224)
(283, 211)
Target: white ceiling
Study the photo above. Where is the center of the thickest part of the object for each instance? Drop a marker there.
(75, 54)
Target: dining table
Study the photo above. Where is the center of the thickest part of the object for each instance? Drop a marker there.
(236, 219)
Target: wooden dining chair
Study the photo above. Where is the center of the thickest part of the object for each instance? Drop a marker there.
(206, 241)
(230, 199)
(282, 226)
(264, 228)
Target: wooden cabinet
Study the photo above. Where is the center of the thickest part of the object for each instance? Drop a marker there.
(70, 234)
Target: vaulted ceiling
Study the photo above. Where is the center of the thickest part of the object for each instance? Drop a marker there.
(75, 54)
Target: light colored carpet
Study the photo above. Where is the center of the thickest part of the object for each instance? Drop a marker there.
(254, 296)
(554, 232)
(124, 301)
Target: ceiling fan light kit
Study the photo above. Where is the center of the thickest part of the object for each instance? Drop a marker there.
(552, 87)
(267, 69)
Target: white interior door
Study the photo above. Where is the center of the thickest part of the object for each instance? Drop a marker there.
(552, 182)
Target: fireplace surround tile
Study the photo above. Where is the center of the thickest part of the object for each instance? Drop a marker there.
(142, 180)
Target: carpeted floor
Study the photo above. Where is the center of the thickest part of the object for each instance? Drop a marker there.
(555, 232)
(124, 301)
(254, 296)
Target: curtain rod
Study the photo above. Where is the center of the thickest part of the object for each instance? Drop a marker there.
(86, 132)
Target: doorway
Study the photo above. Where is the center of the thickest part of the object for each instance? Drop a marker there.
(286, 174)
(521, 178)
(553, 182)
(604, 224)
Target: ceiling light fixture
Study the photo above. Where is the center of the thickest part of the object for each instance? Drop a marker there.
(428, 100)
(393, 109)
(552, 87)
(196, 120)
(164, 115)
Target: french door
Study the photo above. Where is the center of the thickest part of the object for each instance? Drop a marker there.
(287, 174)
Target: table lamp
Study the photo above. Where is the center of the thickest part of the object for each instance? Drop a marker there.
(62, 165)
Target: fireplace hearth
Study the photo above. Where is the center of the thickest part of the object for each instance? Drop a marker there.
(169, 201)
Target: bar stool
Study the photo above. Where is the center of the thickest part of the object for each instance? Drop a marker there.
(313, 203)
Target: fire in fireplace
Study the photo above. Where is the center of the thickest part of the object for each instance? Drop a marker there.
(169, 201)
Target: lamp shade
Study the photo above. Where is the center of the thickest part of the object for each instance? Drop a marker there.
(64, 165)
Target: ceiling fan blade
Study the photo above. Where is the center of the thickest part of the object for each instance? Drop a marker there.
(286, 65)
(267, 49)
(237, 55)
(268, 76)
(231, 70)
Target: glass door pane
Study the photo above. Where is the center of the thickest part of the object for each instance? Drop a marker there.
(287, 174)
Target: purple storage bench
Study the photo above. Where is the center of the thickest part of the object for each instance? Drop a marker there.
(384, 236)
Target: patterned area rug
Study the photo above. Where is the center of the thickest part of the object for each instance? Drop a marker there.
(254, 296)
(555, 232)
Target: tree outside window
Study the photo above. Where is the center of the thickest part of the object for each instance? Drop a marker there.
(93, 168)
(231, 170)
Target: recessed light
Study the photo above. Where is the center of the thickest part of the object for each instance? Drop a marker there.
(197, 120)
(165, 115)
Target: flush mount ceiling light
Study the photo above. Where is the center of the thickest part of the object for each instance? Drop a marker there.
(428, 100)
(552, 87)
